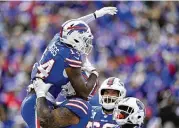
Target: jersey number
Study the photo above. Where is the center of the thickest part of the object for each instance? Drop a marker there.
(97, 125)
(45, 69)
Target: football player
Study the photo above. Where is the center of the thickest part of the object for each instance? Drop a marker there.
(60, 65)
(110, 91)
(129, 113)
(74, 112)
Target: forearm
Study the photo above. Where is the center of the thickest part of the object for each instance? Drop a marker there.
(88, 18)
(81, 88)
(48, 117)
(88, 87)
(43, 111)
(91, 82)
(56, 118)
(45, 115)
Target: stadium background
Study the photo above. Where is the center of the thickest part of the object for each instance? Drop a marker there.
(140, 45)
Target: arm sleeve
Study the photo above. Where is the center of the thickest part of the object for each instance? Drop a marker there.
(78, 107)
(73, 60)
(88, 18)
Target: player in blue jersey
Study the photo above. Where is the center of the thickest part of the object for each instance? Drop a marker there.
(111, 90)
(67, 111)
(129, 113)
(60, 65)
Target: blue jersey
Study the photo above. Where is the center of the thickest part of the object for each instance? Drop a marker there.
(101, 120)
(81, 108)
(51, 67)
(76, 105)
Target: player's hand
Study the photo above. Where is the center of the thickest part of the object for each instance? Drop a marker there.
(87, 66)
(41, 88)
(105, 10)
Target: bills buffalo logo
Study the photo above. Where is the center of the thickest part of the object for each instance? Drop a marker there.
(110, 81)
(81, 28)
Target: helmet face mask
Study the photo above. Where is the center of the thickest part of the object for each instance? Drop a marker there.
(122, 114)
(108, 101)
(129, 111)
(77, 34)
(88, 44)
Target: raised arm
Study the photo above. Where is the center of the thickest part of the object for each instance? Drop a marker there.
(82, 89)
(99, 13)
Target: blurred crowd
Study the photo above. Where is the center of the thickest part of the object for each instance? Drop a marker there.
(140, 45)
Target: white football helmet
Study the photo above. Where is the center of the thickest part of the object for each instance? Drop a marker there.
(129, 110)
(113, 83)
(77, 34)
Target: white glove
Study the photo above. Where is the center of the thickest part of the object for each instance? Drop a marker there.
(87, 66)
(105, 10)
(41, 88)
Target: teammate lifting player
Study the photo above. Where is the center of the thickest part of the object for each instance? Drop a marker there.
(60, 66)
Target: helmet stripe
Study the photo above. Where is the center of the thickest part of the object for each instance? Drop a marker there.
(110, 81)
(77, 28)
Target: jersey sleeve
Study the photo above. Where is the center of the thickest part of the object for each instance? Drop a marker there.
(73, 60)
(79, 107)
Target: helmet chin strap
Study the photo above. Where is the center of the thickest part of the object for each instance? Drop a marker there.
(64, 41)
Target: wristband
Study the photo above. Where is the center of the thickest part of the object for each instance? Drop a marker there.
(95, 15)
(95, 72)
(40, 94)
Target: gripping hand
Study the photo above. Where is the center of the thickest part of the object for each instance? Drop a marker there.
(41, 88)
(87, 66)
